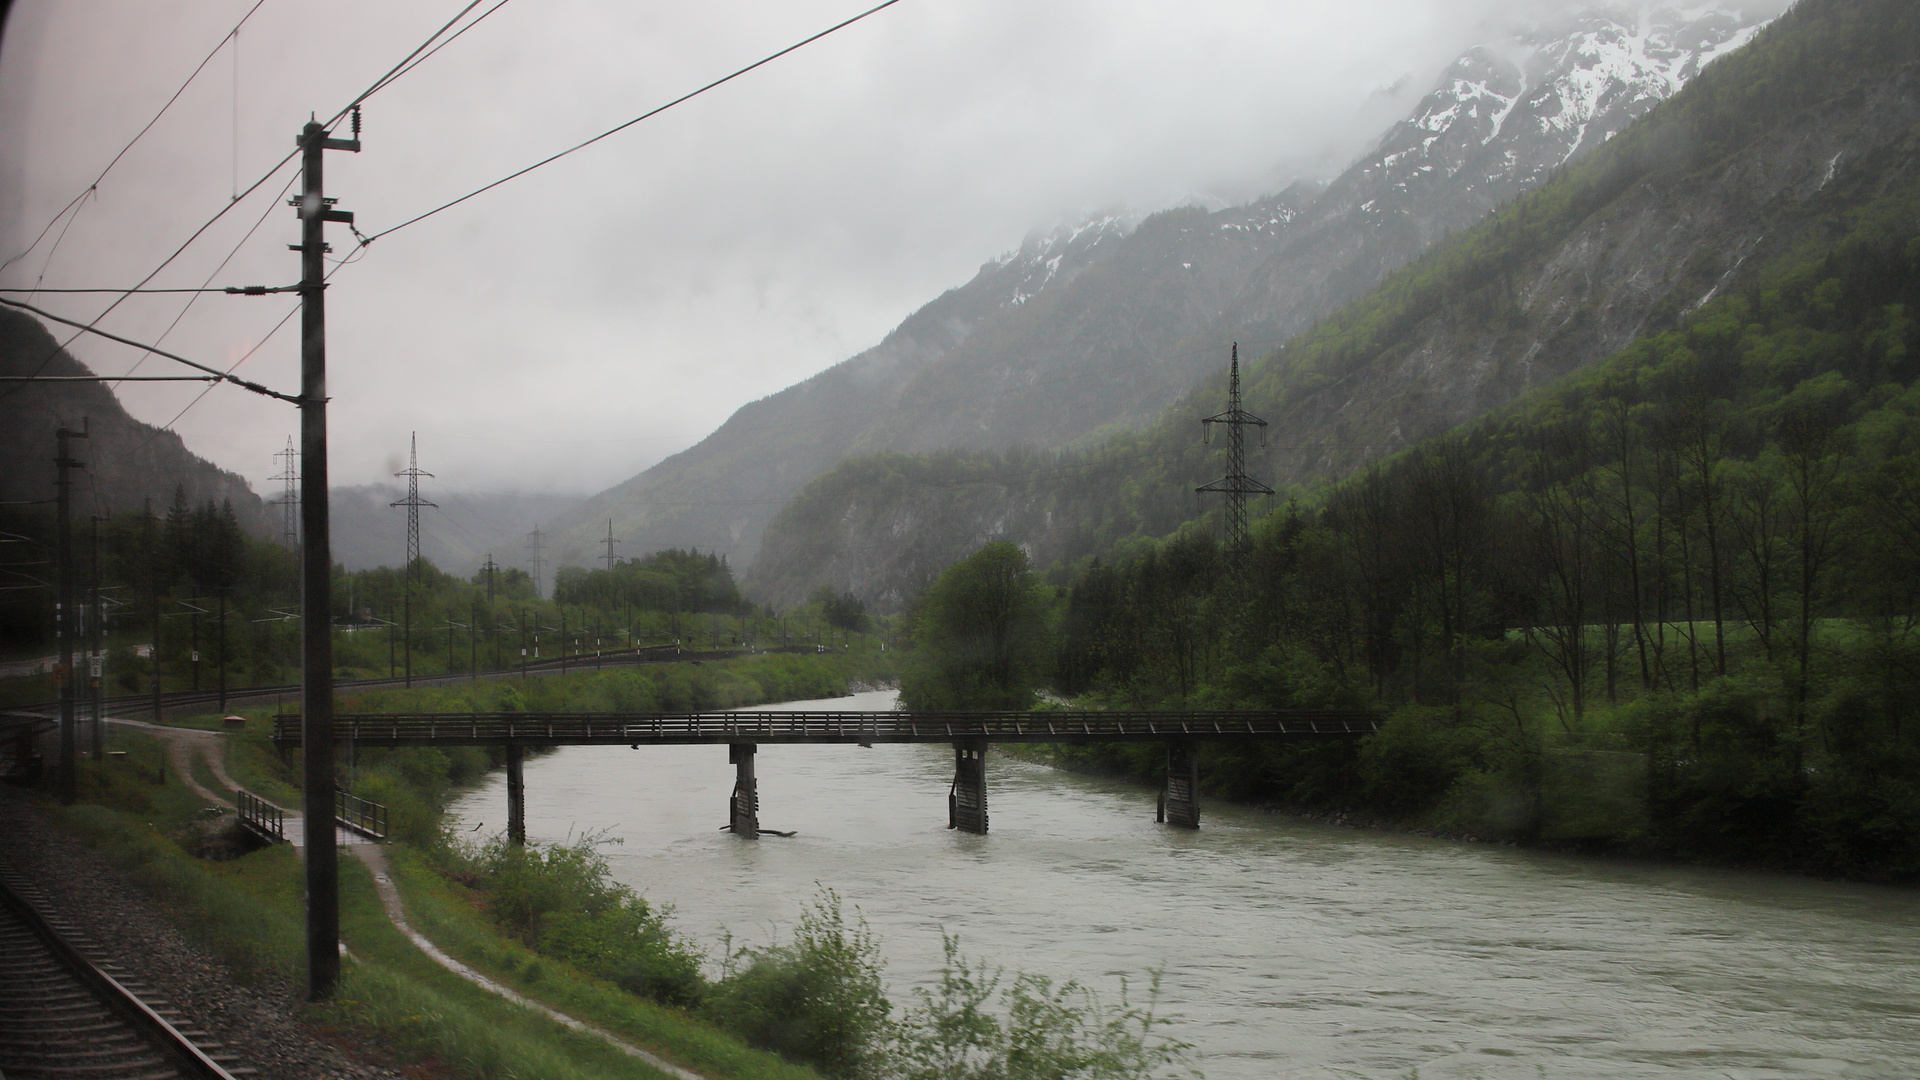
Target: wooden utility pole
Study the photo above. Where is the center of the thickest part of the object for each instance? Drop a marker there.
(63, 623)
(96, 642)
(316, 569)
(153, 599)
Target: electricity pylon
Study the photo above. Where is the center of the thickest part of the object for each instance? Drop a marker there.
(413, 502)
(289, 495)
(1236, 485)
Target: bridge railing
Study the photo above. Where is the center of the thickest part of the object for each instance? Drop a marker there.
(833, 726)
(361, 815)
(261, 815)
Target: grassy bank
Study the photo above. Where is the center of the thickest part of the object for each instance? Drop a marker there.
(249, 911)
(549, 922)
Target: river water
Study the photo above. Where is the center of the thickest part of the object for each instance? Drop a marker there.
(1288, 948)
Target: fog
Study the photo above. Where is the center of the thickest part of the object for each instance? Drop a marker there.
(564, 331)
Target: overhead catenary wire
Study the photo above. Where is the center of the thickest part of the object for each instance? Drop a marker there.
(215, 272)
(219, 376)
(386, 79)
(95, 186)
(616, 129)
(230, 289)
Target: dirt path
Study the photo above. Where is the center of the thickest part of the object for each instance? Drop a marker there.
(376, 861)
(187, 745)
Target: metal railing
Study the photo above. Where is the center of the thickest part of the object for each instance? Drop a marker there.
(404, 729)
(362, 816)
(262, 815)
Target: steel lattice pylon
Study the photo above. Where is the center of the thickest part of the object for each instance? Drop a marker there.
(1236, 485)
(413, 502)
(290, 495)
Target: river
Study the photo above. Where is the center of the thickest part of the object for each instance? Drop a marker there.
(1289, 948)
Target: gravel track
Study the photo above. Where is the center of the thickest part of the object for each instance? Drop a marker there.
(257, 1020)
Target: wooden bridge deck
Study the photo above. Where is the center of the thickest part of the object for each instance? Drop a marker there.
(658, 729)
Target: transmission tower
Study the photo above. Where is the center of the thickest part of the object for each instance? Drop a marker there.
(289, 495)
(533, 545)
(490, 568)
(413, 502)
(1236, 485)
(610, 541)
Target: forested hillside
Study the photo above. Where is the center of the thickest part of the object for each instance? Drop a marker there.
(1753, 169)
(1671, 604)
(127, 462)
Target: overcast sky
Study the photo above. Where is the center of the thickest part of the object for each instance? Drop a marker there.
(567, 330)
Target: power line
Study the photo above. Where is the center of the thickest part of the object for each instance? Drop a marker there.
(234, 290)
(378, 84)
(365, 240)
(94, 187)
(262, 290)
(218, 375)
(401, 73)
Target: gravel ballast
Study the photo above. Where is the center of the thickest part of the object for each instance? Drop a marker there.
(258, 1019)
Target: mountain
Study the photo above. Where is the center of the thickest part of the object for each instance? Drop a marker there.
(128, 462)
(1097, 327)
(1765, 154)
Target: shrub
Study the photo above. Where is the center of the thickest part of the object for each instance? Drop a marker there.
(817, 999)
(561, 900)
(1041, 1031)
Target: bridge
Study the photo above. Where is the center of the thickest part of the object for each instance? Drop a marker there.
(969, 733)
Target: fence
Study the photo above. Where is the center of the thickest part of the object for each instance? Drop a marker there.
(366, 818)
(262, 816)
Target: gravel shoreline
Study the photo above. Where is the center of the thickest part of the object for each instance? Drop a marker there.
(258, 1021)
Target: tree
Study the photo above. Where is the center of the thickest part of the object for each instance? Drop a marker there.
(979, 635)
(842, 610)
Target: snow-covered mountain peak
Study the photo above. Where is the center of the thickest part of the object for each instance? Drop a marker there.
(1057, 256)
(1507, 113)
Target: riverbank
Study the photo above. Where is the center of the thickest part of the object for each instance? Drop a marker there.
(1592, 812)
(1288, 950)
(243, 914)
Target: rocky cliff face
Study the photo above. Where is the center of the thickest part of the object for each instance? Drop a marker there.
(1101, 325)
(1698, 199)
(127, 462)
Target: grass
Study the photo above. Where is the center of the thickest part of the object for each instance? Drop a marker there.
(449, 915)
(249, 912)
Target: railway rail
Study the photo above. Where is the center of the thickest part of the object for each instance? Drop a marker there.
(68, 1014)
(179, 701)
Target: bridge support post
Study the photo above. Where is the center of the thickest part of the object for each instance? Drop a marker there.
(1180, 798)
(516, 796)
(743, 808)
(967, 798)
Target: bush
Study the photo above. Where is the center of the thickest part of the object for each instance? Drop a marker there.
(817, 999)
(1044, 1032)
(561, 900)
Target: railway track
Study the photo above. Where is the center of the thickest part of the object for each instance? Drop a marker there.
(179, 701)
(66, 1014)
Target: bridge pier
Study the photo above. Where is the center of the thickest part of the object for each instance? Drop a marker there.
(1180, 798)
(967, 798)
(516, 796)
(743, 808)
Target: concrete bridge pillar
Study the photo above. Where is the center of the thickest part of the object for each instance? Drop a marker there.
(1180, 798)
(743, 809)
(516, 796)
(967, 798)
